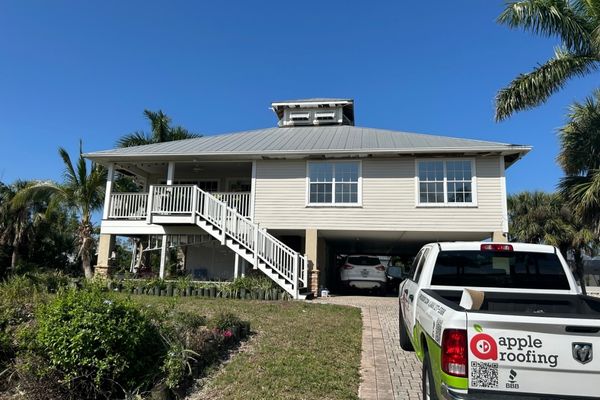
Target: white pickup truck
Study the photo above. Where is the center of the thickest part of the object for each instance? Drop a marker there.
(530, 333)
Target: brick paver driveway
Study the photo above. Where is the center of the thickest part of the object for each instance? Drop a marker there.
(387, 371)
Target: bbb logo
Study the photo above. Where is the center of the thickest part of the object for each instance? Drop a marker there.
(484, 347)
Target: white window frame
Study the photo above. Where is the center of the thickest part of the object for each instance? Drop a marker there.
(333, 203)
(471, 204)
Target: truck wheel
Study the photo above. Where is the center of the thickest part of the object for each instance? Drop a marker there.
(405, 343)
(427, 379)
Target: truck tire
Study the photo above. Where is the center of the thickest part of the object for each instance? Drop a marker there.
(428, 384)
(405, 343)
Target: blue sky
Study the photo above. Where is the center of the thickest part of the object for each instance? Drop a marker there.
(73, 69)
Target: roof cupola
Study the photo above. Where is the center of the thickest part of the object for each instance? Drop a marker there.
(310, 112)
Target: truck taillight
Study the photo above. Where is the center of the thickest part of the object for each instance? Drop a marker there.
(496, 247)
(347, 266)
(455, 352)
(380, 268)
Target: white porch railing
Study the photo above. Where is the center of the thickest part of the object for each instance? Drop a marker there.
(166, 200)
(287, 263)
(128, 205)
(227, 214)
(171, 199)
(238, 200)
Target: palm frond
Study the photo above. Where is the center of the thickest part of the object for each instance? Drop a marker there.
(69, 175)
(534, 88)
(582, 193)
(134, 139)
(580, 137)
(180, 133)
(550, 18)
(160, 125)
(39, 191)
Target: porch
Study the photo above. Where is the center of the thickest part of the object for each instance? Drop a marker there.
(168, 200)
(166, 188)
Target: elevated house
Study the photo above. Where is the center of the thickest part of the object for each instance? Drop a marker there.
(287, 200)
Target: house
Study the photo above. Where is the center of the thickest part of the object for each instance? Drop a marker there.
(289, 199)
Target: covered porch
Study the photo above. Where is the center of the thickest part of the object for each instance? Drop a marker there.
(166, 188)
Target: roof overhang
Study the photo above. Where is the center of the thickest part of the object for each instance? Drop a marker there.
(511, 154)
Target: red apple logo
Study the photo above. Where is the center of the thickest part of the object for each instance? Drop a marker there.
(483, 346)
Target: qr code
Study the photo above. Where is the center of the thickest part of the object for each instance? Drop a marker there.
(484, 375)
(437, 331)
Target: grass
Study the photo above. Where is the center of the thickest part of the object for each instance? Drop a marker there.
(299, 351)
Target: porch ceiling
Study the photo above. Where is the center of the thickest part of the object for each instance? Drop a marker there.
(150, 169)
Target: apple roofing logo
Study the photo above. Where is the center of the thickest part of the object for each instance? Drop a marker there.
(483, 346)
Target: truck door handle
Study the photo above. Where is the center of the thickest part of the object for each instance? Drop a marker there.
(411, 298)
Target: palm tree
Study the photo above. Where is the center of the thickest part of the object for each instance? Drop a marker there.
(576, 23)
(16, 219)
(579, 158)
(545, 218)
(162, 131)
(82, 191)
(534, 217)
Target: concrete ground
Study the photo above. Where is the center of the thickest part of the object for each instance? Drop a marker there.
(387, 371)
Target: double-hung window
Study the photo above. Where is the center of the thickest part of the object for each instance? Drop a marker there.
(446, 182)
(334, 183)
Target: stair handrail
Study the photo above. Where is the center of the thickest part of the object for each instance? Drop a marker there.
(209, 207)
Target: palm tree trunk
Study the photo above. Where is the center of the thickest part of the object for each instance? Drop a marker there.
(86, 263)
(15, 253)
(579, 272)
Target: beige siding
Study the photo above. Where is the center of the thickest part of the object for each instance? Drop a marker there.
(388, 200)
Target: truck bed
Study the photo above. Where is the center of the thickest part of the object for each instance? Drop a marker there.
(547, 305)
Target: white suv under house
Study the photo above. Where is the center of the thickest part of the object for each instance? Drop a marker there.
(363, 272)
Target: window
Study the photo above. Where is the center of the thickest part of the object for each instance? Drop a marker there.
(333, 182)
(300, 117)
(325, 116)
(420, 266)
(445, 182)
(519, 269)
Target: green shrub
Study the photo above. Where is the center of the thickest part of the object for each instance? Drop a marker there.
(106, 340)
(225, 321)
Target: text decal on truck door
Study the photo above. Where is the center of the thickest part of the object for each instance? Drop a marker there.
(512, 349)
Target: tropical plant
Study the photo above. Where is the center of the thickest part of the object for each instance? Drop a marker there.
(18, 219)
(82, 190)
(579, 158)
(544, 218)
(576, 23)
(162, 131)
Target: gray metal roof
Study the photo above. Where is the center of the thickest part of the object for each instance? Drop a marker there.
(310, 140)
(314, 100)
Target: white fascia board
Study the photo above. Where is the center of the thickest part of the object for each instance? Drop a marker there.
(501, 150)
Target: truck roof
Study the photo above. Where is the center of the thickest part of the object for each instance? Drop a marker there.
(538, 248)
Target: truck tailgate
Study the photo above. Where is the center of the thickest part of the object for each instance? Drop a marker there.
(532, 354)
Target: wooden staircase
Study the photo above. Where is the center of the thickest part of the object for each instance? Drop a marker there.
(286, 267)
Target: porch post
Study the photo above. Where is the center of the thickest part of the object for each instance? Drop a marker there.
(106, 244)
(108, 191)
(243, 268)
(312, 254)
(252, 191)
(236, 266)
(170, 172)
(163, 257)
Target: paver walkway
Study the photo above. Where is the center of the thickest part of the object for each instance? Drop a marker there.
(387, 371)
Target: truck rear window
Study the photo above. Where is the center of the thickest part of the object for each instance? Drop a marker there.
(523, 270)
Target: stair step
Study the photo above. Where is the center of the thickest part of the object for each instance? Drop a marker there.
(245, 253)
